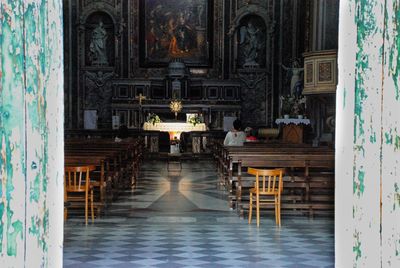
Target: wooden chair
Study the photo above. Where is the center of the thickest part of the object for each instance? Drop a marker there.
(270, 185)
(77, 183)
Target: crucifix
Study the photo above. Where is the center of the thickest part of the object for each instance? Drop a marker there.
(140, 98)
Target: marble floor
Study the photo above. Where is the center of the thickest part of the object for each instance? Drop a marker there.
(180, 219)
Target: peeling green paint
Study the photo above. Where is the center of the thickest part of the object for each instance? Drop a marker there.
(359, 185)
(394, 57)
(357, 246)
(40, 233)
(359, 148)
(388, 138)
(368, 164)
(372, 136)
(17, 229)
(396, 142)
(396, 201)
(366, 26)
(11, 118)
(35, 189)
(30, 63)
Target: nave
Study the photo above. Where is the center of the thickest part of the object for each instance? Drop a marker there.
(180, 219)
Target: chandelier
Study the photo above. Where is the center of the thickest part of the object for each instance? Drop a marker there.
(176, 107)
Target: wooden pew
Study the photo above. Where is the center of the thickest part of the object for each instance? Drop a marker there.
(302, 186)
(299, 161)
(114, 161)
(98, 177)
(129, 150)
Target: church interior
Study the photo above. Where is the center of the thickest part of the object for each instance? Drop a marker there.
(199, 133)
(174, 75)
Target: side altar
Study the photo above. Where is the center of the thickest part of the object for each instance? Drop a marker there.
(292, 129)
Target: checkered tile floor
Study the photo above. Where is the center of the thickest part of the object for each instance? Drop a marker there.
(180, 219)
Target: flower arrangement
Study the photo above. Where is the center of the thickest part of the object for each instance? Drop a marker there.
(287, 103)
(299, 106)
(153, 118)
(290, 105)
(194, 120)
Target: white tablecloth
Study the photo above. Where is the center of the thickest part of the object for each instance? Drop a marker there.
(295, 121)
(174, 127)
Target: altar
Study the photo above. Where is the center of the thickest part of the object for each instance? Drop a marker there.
(175, 130)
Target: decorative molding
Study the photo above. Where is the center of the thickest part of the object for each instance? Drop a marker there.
(251, 78)
(250, 10)
(99, 78)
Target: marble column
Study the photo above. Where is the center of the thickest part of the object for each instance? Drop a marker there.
(31, 133)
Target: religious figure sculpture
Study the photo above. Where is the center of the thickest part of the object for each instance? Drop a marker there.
(295, 82)
(251, 40)
(98, 45)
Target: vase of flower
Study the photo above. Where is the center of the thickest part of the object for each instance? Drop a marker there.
(153, 119)
(287, 105)
(300, 116)
(194, 120)
(286, 116)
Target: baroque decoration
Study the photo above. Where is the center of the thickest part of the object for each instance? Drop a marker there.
(251, 78)
(98, 92)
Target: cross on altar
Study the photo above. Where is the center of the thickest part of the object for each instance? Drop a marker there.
(140, 98)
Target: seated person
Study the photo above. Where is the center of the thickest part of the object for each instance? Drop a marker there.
(123, 133)
(249, 134)
(235, 137)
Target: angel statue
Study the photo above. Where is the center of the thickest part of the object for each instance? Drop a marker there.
(252, 41)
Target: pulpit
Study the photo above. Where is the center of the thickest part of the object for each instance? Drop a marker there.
(292, 129)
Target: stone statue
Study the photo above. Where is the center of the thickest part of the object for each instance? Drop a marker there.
(251, 40)
(98, 45)
(295, 81)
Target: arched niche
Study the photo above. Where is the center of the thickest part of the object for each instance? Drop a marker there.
(99, 40)
(251, 41)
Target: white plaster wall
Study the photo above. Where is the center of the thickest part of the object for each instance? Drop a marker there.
(367, 215)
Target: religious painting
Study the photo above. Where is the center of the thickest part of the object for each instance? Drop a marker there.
(175, 29)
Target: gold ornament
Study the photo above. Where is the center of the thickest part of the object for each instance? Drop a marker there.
(176, 107)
